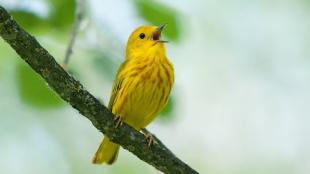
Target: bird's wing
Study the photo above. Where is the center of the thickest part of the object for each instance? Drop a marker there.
(116, 86)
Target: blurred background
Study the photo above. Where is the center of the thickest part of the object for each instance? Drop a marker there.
(241, 98)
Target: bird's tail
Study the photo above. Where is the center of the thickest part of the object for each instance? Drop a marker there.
(106, 153)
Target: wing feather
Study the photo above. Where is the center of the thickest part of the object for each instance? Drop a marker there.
(117, 85)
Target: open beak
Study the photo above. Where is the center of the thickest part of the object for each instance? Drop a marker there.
(157, 34)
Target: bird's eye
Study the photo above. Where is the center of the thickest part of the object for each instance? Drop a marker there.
(142, 36)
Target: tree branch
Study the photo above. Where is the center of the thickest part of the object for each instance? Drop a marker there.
(74, 93)
(79, 14)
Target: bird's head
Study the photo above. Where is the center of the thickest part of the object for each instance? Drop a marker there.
(146, 39)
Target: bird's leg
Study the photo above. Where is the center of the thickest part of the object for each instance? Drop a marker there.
(148, 137)
(118, 120)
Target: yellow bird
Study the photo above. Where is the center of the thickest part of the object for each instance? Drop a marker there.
(141, 88)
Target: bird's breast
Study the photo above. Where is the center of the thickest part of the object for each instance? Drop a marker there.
(148, 89)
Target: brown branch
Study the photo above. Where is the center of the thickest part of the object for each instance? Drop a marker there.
(74, 93)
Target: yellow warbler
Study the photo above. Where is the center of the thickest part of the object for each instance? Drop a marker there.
(141, 87)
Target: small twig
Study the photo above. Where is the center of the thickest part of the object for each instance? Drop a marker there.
(79, 14)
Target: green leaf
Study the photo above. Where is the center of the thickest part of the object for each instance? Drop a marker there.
(167, 113)
(105, 65)
(157, 13)
(62, 13)
(34, 91)
(7, 56)
(28, 20)
(61, 16)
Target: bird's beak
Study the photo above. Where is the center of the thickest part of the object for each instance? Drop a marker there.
(157, 33)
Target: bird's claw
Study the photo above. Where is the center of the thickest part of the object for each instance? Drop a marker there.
(150, 139)
(118, 120)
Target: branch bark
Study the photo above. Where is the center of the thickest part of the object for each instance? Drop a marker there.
(79, 98)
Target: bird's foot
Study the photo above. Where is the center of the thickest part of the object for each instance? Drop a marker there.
(148, 137)
(118, 121)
